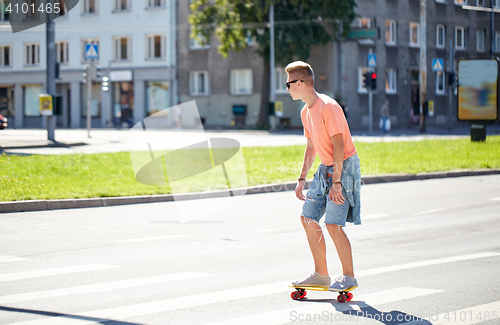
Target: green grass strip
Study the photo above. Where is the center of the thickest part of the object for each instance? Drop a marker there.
(31, 177)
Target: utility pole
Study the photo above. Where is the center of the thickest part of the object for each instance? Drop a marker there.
(272, 65)
(90, 73)
(422, 76)
(51, 75)
(492, 29)
(450, 86)
(341, 86)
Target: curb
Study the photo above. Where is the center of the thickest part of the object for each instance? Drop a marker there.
(43, 145)
(43, 205)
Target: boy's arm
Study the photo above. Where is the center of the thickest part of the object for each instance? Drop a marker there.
(309, 156)
(338, 162)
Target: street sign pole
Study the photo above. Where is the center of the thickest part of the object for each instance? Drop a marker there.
(51, 78)
(372, 63)
(89, 95)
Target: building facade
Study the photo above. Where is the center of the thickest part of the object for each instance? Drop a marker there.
(136, 48)
(146, 51)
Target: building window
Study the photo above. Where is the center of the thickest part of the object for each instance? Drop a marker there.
(440, 36)
(62, 52)
(280, 77)
(32, 54)
(497, 41)
(7, 101)
(390, 32)
(5, 56)
(31, 11)
(31, 101)
(460, 2)
(460, 38)
(198, 83)
(157, 96)
(362, 22)
(90, 6)
(480, 3)
(4, 14)
(156, 47)
(122, 49)
(196, 43)
(122, 5)
(391, 81)
(87, 42)
(241, 81)
(414, 34)
(480, 37)
(496, 3)
(440, 83)
(156, 3)
(441, 1)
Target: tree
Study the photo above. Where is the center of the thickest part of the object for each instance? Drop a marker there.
(299, 25)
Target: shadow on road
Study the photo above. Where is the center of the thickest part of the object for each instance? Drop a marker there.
(53, 314)
(360, 310)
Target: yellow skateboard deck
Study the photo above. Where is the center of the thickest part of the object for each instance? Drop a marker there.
(301, 292)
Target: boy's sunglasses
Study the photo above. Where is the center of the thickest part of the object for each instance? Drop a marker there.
(291, 82)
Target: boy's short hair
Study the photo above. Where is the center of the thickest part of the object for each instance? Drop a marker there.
(302, 69)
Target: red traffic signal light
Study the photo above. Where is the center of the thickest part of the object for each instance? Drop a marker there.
(374, 75)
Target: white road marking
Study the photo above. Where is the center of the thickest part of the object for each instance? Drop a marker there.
(146, 239)
(427, 212)
(8, 258)
(375, 216)
(101, 287)
(166, 305)
(55, 271)
(466, 316)
(333, 311)
(445, 260)
(160, 306)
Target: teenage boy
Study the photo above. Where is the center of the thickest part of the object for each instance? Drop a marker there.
(334, 191)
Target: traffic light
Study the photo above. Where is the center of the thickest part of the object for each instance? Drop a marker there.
(105, 84)
(373, 80)
(367, 81)
(451, 79)
(84, 75)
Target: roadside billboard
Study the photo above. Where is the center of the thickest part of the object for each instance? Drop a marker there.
(478, 90)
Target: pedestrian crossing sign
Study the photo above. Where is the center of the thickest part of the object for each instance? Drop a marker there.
(91, 51)
(437, 65)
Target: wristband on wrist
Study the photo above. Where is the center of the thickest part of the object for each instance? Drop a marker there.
(337, 182)
(302, 179)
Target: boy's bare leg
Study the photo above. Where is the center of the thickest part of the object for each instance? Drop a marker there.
(343, 246)
(316, 244)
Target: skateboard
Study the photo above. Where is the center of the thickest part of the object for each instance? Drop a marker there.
(301, 292)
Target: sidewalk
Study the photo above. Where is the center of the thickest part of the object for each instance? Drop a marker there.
(70, 141)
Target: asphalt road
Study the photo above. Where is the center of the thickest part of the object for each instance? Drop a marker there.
(426, 249)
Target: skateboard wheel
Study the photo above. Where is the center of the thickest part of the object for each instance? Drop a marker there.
(295, 295)
(342, 298)
(303, 293)
(349, 296)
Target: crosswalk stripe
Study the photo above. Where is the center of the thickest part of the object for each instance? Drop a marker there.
(8, 258)
(425, 263)
(160, 306)
(101, 287)
(325, 310)
(54, 271)
(138, 240)
(466, 316)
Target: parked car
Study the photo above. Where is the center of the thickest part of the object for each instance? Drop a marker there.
(3, 122)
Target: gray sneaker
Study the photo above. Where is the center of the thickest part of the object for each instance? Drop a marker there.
(344, 283)
(315, 279)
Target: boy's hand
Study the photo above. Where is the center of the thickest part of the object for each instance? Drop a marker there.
(336, 194)
(299, 189)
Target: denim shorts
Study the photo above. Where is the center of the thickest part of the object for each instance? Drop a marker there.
(318, 202)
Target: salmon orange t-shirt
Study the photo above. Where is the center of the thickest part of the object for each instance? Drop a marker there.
(322, 121)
